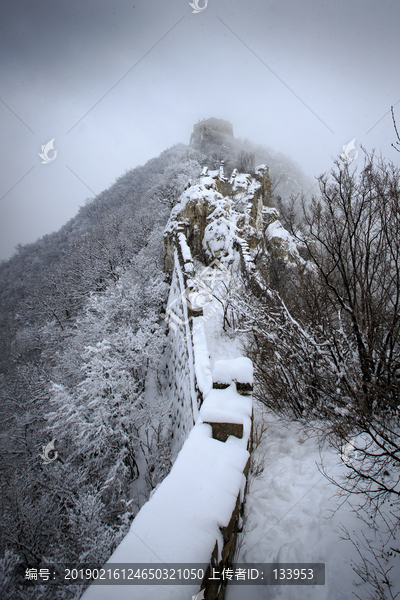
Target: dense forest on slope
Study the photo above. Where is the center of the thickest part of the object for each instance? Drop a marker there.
(82, 361)
(83, 353)
(80, 320)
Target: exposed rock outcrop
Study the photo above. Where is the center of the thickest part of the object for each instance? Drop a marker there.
(220, 216)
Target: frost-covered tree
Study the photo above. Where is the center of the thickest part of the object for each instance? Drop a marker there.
(396, 145)
(103, 419)
(330, 351)
(109, 428)
(246, 162)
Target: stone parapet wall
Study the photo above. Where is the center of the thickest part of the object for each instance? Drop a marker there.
(184, 392)
(179, 374)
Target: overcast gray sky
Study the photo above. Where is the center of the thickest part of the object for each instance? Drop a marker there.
(115, 83)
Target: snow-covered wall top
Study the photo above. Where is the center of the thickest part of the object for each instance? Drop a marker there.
(184, 519)
(216, 219)
(181, 522)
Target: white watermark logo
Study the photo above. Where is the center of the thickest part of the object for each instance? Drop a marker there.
(346, 158)
(45, 152)
(199, 596)
(197, 300)
(50, 448)
(196, 6)
(349, 453)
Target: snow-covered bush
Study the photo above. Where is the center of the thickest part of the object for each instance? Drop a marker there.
(100, 422)
(330, 351)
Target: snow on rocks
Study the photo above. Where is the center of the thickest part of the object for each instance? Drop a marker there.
(238, 370)
(244, 186)
(221, 172)
(199, 193)
(284, 240)
(242, 181)
(276, 229)
(260, 170)
(233, 175)
(270, 214)
(208, 183)
(218, 239)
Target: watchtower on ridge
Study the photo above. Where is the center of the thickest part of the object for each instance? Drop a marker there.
(212, 129)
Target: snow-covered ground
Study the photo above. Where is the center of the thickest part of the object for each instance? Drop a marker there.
(292, 511)
(290, 514)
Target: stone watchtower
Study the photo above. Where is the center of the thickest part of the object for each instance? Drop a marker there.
(213, 130)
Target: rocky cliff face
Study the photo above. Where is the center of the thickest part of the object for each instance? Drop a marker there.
(220, 216)
(215, 210)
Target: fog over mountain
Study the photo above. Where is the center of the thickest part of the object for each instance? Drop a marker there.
(114, 84)
(192, 328)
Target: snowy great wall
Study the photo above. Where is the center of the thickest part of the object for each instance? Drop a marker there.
(194, 515)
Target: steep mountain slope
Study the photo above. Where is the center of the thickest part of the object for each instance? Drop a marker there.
(84, 344)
